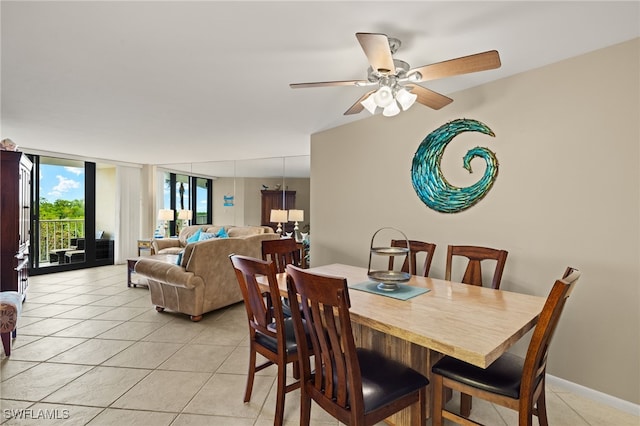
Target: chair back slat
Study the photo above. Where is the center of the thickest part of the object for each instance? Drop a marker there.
(475, 256)
(415, 247)
(325, 307)
(281, 252)
(536, 359)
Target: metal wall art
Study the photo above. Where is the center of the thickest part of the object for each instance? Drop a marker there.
(427, 178)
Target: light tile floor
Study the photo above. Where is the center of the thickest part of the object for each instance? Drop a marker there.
(90, 350)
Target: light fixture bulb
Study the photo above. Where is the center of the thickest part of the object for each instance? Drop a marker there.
(383, 97)
(405, 98)
(391, 109)
(370, 104)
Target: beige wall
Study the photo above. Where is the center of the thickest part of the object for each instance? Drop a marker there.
(567, 193)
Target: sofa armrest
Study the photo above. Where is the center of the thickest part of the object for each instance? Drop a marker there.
(163, 243)
(167, 273)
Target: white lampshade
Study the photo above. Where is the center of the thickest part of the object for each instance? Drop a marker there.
(296, 215)
(391, 110)
(278, 216)
(165, 214)
(370, 104)
(185, 214)
(405, 98)
(383, 97)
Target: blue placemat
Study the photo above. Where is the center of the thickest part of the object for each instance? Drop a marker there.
(403, 292)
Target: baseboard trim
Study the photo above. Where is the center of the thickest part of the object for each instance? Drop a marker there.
(611, 401)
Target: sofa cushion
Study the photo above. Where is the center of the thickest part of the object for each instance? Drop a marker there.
(171, 250)
(194, 237)
(206, 236)
(244, 231)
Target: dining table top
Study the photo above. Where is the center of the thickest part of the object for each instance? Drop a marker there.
(471, 323)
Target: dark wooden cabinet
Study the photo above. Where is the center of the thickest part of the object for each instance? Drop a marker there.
(277, 200)
(15, 220)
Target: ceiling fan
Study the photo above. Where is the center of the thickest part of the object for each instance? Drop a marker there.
(396, 81)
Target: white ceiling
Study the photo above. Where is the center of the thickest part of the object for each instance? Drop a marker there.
(169, 82)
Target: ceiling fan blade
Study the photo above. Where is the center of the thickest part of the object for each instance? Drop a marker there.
(464, 65)
(331, 83)
(358, 107)
(429, 97)
(376, 47)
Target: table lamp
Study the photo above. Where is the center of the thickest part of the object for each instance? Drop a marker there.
(278, 216)
(296, 216)
(183, 215)
(165, 215)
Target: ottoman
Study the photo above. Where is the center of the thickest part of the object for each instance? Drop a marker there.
(10, 306)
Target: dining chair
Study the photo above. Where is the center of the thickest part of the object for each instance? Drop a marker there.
(473, 275)
(270, 334)
(356, 386)
(282, 252)
(475, 256)
(415, 247)
(510, 381)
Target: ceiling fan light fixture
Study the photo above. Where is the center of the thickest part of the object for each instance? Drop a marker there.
(369, 104)
(405, 98)
(391, 109)
(383, 97)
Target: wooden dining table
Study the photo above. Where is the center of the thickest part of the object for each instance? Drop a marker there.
(470, 323)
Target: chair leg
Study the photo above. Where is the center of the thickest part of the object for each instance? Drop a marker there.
(437, 388)
(251, 374)
(296, 370)
(282, 384)
(465, 405)
(6, 343)
(525, 417)
(422, 405)
(541, 406)
(305, 407)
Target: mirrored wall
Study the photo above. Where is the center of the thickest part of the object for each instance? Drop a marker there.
(244, 191)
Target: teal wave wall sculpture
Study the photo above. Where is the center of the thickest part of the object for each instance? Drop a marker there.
(427, 178)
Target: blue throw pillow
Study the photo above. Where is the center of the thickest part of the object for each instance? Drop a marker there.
(194, 237)
(222, 233)
(179, 261)
(206, 236)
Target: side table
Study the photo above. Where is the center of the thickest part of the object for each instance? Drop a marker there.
(131, 265)
(144, 244)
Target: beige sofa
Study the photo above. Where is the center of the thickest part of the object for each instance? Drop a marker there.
(204, 280)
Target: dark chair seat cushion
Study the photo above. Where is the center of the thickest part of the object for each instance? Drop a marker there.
(385, 380)
(502, 377)
(272, 344)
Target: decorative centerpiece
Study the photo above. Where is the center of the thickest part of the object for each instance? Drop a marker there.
(388, 279)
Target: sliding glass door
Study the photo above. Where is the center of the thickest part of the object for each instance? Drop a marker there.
(63, 222)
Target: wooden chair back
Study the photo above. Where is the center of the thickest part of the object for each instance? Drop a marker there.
(535, 363)
(415, 247)
(476, 255)
(281, 252)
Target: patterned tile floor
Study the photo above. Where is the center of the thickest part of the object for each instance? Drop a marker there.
(90, 350)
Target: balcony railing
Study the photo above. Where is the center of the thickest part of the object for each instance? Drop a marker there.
(57, 234)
